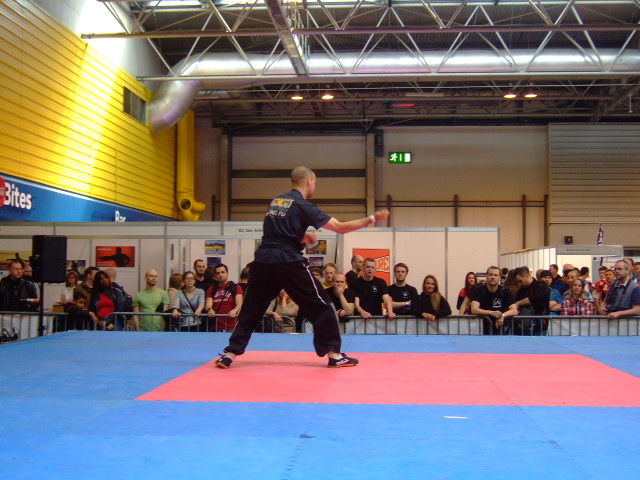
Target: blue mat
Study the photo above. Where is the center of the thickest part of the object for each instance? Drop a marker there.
(70, 412)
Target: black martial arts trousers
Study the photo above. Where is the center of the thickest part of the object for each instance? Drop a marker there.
(265, 282)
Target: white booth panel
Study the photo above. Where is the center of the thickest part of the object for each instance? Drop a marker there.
(424, 253)
(469, 250)
(366, 238)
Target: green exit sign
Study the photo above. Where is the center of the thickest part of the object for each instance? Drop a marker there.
(399, 157)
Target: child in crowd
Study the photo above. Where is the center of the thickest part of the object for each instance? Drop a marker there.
(78, 316)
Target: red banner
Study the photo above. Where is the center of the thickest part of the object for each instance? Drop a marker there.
(116, 256)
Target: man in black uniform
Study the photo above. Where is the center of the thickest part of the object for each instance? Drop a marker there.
(280, 264)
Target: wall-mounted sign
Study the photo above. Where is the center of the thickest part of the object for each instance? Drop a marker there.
(399, 157)
(26, 201)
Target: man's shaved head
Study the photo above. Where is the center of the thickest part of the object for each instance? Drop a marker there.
(299, 175)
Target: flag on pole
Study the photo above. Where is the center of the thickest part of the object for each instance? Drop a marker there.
(600, 239)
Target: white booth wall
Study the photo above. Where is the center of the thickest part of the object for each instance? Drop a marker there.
(579, 256)
(447, 253)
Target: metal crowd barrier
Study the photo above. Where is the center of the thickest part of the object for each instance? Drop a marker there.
(25, 325)
(593, 326)
(521, 325)
(408, 325)
(204, 323)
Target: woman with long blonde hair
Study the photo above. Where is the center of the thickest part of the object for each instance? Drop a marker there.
(430, 304)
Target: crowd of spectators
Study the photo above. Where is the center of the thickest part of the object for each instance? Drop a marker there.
(518, 301)
(205, 299)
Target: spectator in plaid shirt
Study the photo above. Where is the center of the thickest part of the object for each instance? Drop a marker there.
(577, 300)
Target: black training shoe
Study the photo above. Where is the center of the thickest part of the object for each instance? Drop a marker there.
(223, 361)
(342, 362)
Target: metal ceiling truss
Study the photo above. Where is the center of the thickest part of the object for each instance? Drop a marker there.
(298, 29)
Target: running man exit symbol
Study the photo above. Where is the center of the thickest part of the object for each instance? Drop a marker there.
(399, 157)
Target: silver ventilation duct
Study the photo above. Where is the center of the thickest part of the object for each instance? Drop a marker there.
(233, 71)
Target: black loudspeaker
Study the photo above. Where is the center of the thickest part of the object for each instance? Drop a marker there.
(568, 240)
(49, 258)
(378, 149)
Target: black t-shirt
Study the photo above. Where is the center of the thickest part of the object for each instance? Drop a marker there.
(12, 292)
(370, 294)
(538, 294)
(499, 300)
(348, 295)
(351, 277)
(406, 293)
(422, 304)
(243, 286)
(285, 225)
(204, 284)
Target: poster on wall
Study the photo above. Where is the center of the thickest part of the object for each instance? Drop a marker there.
(109, 256)
(215, 247)
(316, 262)
(78, 266)
(6, 256)
(318, 248)
(382, 258)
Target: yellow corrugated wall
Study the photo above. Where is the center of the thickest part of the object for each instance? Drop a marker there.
(62, 121)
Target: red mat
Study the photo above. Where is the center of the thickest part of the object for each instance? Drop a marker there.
(409, 378)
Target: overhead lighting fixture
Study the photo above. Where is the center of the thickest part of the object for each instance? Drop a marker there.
(297, 95)
(530, 94)
(510, 94)
(327, 95)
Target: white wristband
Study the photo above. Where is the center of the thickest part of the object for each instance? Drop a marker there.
(372, 218)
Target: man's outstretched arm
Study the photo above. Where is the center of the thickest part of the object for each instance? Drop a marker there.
(337, 226)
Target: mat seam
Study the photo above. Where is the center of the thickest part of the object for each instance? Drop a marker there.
(298, 448)
(556, 445)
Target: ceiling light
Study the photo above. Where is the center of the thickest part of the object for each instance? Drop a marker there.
(530, 94)
(327, 95)
(510, 94)
(297, 95)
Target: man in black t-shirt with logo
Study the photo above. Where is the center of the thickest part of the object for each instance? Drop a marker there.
(371, 292)
(279, 264)
(493, 302)
(402, 294)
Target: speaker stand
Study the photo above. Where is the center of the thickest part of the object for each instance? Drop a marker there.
(41, 327)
